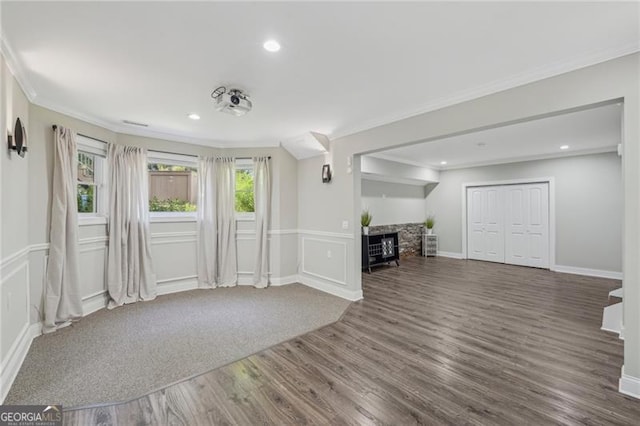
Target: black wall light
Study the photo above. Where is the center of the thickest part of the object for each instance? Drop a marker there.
(326, 173)
(18, 141)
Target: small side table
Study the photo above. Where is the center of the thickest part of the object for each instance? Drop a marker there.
(429, 245)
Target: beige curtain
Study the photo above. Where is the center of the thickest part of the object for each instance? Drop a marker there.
(262, 203)
(130, 276)
(207, 248)
(62, 300)
(216, 254)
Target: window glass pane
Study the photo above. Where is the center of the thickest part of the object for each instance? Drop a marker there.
(172, 188)
(86, 167)
(86, 199)
(244, 190)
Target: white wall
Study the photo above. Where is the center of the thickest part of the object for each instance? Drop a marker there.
(588, 199)
(25, 194)
(393, 203)
(14, 245)
(612, 80)
(173, 244)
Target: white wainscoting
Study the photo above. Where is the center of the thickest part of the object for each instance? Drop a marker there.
(15, 333)
(326, 263)
(169, 250)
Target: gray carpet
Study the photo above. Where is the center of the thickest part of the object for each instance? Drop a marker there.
(118, 355)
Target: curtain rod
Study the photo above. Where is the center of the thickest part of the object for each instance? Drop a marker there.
(162, 152)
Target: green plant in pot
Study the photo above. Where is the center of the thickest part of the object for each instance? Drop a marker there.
(429, 224)
(365, 221)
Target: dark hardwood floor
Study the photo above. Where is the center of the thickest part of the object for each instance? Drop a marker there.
(435, 341)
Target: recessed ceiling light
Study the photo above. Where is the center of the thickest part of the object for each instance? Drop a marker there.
(194, 116)
(443, 163)
(563, 147)
(271, 46)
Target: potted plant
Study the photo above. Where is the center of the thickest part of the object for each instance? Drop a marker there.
(429, 224)
(365, 221)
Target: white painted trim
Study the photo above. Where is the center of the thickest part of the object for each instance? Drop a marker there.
(450, 254)
(176, 285)
(173, 234)
(304, 271)
(283, 232)
(326, 234)
(38, 247)
(617, 293)
(540, 73)
(16, 357)
(286, 280)
(14, 257)
(549, 156)
(613, 275)
(84, 241)
(629, 385)
(5, 276)
(158, 243)
(612, 318)
(552, 210)
(91, 220)
(94, 302)
(343, 293)
(97, 248)
(171, 280)
(172, 219)
(15, 67)
(508, 160)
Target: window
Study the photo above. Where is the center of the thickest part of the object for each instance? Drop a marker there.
(173, 184)
(244, 188)
(91, 191)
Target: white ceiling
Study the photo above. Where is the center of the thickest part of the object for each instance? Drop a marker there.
(588, 131)
(343, 67)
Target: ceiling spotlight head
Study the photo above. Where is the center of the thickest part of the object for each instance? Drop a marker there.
(194, 116)
(443, 163)
(271, 46)
(564, 147)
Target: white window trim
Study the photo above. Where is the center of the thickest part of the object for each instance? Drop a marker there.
(99, 149)
(178, 160)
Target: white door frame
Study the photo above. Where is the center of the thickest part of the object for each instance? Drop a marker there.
(552, 211)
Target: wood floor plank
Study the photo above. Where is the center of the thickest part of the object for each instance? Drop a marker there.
(437, 342)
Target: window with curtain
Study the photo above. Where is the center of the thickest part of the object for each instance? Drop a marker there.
(92, 169)
(173, 184)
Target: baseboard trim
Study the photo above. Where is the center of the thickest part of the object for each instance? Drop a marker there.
(352, 295)
(280, 281)
(612, 318)
(16, 358)
(176, 286)
(629, 385)
(613, 275)
(450, 254)
(94, 303)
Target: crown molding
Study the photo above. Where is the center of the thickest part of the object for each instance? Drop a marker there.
(506, 160)
(390, 157)
(550, 156)
(16, 68)
(540, 73)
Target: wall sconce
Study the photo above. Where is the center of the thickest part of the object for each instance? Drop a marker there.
(18, 141)
(326, 173)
